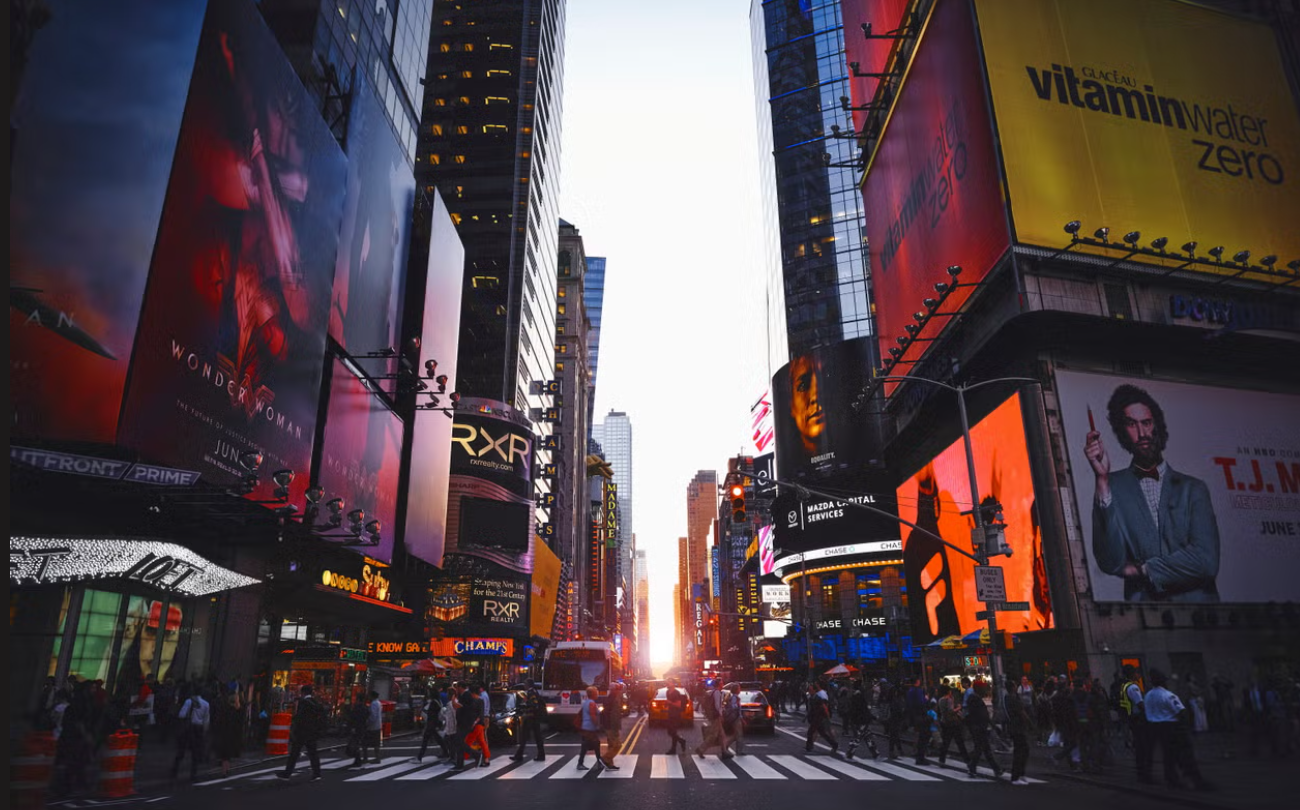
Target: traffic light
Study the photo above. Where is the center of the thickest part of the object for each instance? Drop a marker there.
(737, 493)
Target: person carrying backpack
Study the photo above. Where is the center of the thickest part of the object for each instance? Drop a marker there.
(309, 723)
(532, 709)
(950, 728)
(714, 731)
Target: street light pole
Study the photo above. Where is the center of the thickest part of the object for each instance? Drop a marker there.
(807, 615)
(983, 551)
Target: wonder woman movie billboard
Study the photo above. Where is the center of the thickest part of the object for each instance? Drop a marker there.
(230, 350)
(1185, 493)
(941, 582)
(94, 130)
(370, 271)
(361, 455)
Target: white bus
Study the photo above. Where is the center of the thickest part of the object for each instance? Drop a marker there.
(569, 668)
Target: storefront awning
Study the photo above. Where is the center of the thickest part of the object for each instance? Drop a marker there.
(165, 566)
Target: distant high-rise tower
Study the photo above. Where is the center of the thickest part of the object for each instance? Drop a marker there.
(701, 509)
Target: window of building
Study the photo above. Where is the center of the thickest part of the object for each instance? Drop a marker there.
(831, 598)
(495, 128)
(559, 366)
(562, 293)
(455, 219)
(560, 309)
(435, 130)
(462, 130)
(434, 159)
(468, 47)
(460, 159)
(495, 100)
(464, 100)
(445, 47)
(440, 102)
(499, 73)
(467, 74)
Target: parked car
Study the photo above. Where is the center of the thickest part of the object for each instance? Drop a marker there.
(757, 712)
(659, 709)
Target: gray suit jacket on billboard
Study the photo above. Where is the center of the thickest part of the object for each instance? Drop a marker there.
(1182, 559)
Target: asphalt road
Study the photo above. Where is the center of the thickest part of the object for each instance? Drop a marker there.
(774, 769)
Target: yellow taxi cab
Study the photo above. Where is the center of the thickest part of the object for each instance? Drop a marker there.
(659, 709)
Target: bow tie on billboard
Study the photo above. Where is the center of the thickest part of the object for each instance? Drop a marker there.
(1153, 473)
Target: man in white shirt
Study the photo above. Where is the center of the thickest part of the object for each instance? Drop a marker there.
(373, 737)
(194, 717)
(1163, 712)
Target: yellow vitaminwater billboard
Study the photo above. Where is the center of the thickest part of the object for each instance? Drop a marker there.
(1159, 117)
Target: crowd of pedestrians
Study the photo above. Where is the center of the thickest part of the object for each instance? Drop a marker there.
(195, 717)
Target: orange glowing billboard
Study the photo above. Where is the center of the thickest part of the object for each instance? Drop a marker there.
(941, 582)
(1160, 117)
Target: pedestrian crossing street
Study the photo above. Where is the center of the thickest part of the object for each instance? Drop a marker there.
(773, 767)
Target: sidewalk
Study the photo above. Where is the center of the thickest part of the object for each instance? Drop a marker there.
(153, 763)
(1242, 782)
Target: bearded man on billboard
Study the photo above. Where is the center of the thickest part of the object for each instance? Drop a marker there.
(1151, 524)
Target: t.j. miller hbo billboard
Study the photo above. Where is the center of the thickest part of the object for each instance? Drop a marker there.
(1186, 493)
(1161, 117)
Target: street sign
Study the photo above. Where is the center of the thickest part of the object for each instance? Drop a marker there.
(989, 584)
(1012, 606)
(983, 615)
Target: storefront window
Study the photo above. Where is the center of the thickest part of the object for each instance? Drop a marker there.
(149, 644)
(97, 633)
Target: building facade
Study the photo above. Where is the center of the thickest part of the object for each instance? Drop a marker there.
(808, 177)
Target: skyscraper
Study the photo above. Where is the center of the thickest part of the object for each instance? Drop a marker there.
(817, 294)
(489, 139)
(701, 509)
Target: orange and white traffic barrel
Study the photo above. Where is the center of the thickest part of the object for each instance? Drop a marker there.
(277, 740)
(30, 772)
(117, 767)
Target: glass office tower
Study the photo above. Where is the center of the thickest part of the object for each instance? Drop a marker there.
(820, 286)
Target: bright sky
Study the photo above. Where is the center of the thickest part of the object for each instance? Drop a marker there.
(660, 175)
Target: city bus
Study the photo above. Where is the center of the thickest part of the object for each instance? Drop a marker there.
(569, 668)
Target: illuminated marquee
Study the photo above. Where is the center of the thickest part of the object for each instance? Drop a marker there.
(879, 547)
(504, 647)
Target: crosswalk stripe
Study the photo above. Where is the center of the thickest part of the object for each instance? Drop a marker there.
(800, 767)
(530, 769)
(239, 776)
(902, 773)
(713, 768)
(626, 767)
(861, 774)
(664, 766)
(427, 772)
(485, 771)
(569, 770)
(384, 773)
(757, 768)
